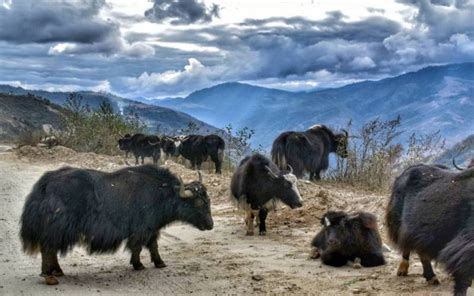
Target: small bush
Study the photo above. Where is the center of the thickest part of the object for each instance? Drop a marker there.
(87, 130)
(30, 137)
(237, 145)
(375, 154)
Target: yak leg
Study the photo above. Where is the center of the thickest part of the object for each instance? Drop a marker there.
(461, 284)
(217, 162)
(428, 273)
(404, 264)
(314, 176)
(50, 266)
(262, 215)
(370, 260)
(135, 259)
(249, 222)
(143, 159)
(136, 159)
(333, 259)
(154, 254)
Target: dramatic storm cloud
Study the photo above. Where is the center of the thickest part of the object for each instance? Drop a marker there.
(172, 47)
(181, 11)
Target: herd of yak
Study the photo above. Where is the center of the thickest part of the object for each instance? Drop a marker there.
(430, 210)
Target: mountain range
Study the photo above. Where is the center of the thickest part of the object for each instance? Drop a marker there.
(433, 98)
(156, 118)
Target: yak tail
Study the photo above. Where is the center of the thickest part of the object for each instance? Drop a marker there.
(220, 154)
(31, 218)
(393, 217)
(457, 255)
(279, 153)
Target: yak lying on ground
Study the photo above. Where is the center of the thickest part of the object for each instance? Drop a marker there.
(349, 237)
(71, 206)
(141, 146)
(197, 149)
(431, 212)
(308, 151)
(257, 183)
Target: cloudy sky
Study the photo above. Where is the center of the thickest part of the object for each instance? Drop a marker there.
(163, 48)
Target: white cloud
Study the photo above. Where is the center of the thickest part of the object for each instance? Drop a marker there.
(362, 63)
(194, 75)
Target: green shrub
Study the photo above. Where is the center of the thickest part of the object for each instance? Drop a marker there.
(87, 130)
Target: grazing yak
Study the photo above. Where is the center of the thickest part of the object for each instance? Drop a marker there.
(308, 151)
(348, 237)
(257, 183)
(431, 212)
(197, 149)
(141, 146)
(72, 206)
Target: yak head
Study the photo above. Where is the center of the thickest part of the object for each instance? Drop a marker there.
(195, 208)
(285, 186)
(345, 233)
(125, 142)
(173, 144)
(342, 143)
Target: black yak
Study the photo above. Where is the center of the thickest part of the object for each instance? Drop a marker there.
(308, 151)
(197, 149)
(71, 206)
(257, 183)
(431, 212)
(141, 146)
(349, 237)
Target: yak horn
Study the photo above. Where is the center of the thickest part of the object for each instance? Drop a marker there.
(456, 166)
(327, 223)
(183, 193)
(153, 143)
(346, 133)
(200, 177)
(272, 173)
(291, 169)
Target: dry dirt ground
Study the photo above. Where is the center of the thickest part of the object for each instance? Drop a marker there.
(221, 261)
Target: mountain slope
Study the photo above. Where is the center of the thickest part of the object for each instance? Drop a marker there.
(431, 99)
(168, 120)
(19, 114)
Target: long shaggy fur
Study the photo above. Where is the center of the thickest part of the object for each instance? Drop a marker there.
(69, 206)
(197, 149)
(431, 212)
(307, 151)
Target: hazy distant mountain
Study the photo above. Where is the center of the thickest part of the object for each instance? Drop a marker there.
(433, 98)
(168, 120)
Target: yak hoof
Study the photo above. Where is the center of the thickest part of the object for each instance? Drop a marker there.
(250, 233)
(403, 268)
(402, 272)
(160, 264)
(357, 264)
(262, 233)
(434, 281)
(58, 273)
(314, 254)
(51, 280)
(138, 266)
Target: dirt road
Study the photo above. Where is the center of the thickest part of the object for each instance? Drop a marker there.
(221, 261)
